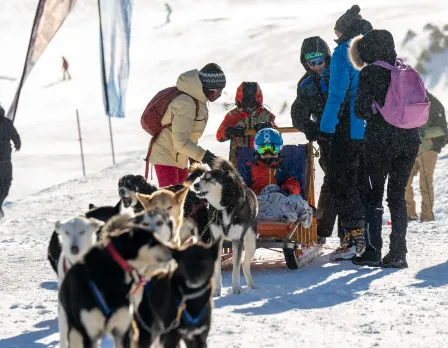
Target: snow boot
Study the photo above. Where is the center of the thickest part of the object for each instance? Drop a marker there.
(370, 258)
(392, 260)
(346, 251)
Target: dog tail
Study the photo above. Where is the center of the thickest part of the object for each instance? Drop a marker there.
(196, 171)
(223, 164)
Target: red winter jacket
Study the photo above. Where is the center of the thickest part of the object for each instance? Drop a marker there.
(234, 116)
(258, 175)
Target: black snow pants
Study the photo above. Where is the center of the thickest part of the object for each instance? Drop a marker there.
(325, 224)
(391, 158)
(347, 180)
(5, 180)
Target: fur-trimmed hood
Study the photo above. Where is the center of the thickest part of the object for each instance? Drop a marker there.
(375, 45)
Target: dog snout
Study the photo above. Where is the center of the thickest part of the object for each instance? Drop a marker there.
(74, 249)
(122, 191)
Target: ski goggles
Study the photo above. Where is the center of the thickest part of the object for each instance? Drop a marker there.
(213, 94)
(269, 148)
(316, 62)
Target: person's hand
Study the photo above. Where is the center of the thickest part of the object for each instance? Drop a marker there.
(325, 137)
(208, 158)
(311, 131)
(234, 132)
(192, 163)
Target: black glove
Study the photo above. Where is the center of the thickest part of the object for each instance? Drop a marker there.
(234, 132)
(208, 158)
(264, 125)
(325, 138)
(311, 131)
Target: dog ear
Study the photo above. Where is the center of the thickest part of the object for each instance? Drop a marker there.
(181, 195)
(97, 224)
(57, 226)
(91, 206)
(145, 200)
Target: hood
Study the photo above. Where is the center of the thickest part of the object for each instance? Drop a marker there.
(375, 45)
(314, 44)
(248, 92)
(190, 83)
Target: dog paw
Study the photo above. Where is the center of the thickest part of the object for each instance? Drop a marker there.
(236, 289)
(217, 293)
(253, 286)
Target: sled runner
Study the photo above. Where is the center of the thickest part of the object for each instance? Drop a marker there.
(299, 244)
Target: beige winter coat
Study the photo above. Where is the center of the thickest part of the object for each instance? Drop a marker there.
(177, 143)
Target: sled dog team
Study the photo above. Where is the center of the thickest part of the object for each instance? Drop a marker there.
(130, 276)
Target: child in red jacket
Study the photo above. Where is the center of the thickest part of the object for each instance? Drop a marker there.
(248, 113)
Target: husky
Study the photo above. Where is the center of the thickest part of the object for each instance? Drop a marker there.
(78, 234)
(195, 209)
(177, 304)
(94, 298)
(233, 211)
(103, 213)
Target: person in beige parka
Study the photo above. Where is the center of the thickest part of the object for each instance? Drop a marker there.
(177, 144)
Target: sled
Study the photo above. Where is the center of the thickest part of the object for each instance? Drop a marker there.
(298, 244)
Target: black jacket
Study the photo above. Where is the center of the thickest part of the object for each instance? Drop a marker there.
(374, 82)
(312, 91)
(7, 133)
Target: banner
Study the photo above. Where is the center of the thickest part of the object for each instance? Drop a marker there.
(50, 15)
(115, 37)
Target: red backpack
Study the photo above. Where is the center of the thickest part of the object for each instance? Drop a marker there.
(151, 120)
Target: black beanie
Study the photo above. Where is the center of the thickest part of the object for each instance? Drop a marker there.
(344, 22)
(212, 76)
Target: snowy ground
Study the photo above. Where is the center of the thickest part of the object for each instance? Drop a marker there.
(324, 304)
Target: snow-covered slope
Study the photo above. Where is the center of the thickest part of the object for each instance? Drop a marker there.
(324, 304)
(251, 40)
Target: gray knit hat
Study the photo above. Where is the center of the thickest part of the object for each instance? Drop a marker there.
(347, 19)
(212, 76)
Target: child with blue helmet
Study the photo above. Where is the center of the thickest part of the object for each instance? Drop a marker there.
(268, 166)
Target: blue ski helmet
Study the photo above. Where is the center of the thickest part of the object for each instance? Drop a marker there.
(268, 136)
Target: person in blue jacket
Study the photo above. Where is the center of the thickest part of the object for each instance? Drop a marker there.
(340, 126)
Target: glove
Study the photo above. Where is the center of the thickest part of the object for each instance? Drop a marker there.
(325, 137)
(264, 125)
(311, 131)
(208, 158)
(234, 132)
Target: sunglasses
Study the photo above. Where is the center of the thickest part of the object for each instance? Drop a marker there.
(319, 61)
(268, 148)
(213, 94)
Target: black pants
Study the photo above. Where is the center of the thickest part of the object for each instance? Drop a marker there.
(325, 224)
(346, 181)
(5, 180)
(394, 159)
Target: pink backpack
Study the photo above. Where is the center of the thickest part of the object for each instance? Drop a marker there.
(406, 104)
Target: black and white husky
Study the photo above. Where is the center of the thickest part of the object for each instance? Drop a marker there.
(233, 212)
(94, 298)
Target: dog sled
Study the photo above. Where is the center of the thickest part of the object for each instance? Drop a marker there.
(298, 244)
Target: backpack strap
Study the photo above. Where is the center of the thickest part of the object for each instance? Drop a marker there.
(384, 64)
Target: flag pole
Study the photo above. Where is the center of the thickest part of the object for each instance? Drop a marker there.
(80, 143)
(103, 73)
(13, 108)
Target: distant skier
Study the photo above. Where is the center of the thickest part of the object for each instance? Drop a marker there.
(169, 10)
(65, 72)
(7, 133)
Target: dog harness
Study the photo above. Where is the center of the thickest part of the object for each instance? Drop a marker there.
(137, 279)
(182, 312)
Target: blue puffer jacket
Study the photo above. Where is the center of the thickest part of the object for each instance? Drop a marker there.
(342, 77)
